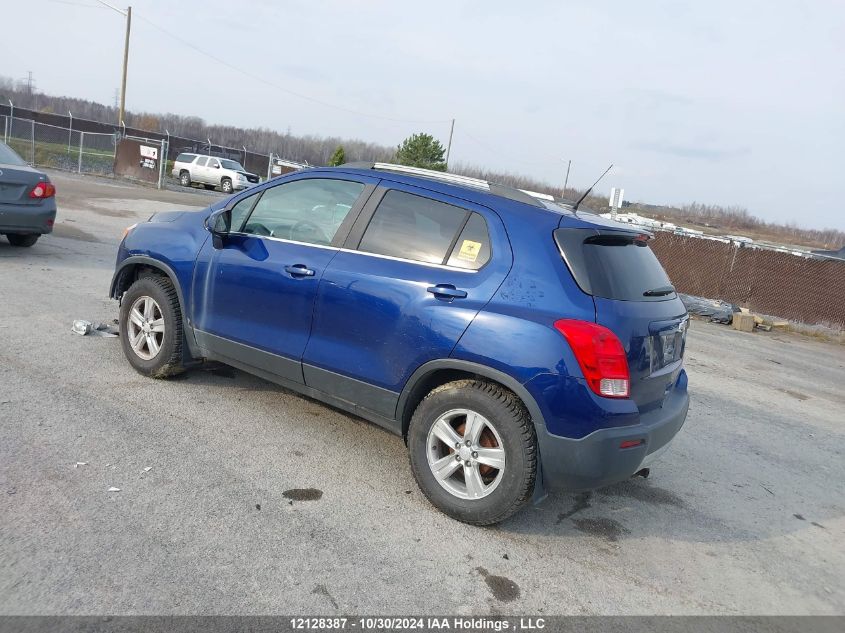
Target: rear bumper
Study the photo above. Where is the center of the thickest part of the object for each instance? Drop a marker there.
(28, 218)
(597, 459)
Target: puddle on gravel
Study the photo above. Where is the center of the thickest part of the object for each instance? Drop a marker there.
(582, 502)
(302, 494)
(601, 527)
(645, 493)
(503, 589)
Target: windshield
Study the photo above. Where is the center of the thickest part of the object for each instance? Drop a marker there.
(231, 164)
(8, 156)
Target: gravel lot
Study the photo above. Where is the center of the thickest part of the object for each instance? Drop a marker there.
(743, 515)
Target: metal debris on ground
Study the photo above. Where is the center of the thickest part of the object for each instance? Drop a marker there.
(113, 489)
(717, 311)
(148, 469)
(78, 464)
(87, 328)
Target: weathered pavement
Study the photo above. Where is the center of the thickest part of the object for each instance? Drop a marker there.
(743, 515)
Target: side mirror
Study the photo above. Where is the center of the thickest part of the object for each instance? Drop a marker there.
(219, 224)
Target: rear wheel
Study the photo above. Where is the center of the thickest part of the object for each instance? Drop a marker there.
(22, 239)
(185, 178)
(226, 185)
(151, 327)
(473, 451)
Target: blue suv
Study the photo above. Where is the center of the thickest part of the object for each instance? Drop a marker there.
(516, 344)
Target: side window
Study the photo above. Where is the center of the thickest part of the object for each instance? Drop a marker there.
(240, 211)
(472, 250)
(413, 227)
(213, 162)
(184, 158)
(201, 161)
(309, 210)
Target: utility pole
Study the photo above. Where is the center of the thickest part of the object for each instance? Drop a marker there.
(128, 15)
(125, 65)
(449, 146)
(566, 181)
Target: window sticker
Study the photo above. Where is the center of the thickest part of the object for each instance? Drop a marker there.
(469, 251)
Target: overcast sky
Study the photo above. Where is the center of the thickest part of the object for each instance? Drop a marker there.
(731, 102)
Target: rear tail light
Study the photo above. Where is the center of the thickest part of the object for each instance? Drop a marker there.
(43, 190)
(600, 355)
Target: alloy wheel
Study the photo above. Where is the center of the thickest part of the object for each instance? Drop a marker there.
(466, 454)
(145, 327)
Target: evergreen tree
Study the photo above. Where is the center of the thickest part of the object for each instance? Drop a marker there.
(421, 150)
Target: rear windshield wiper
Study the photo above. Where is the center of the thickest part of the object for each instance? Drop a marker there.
(659, 292)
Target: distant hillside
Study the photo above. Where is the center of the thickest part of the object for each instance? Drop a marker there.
(318, 149)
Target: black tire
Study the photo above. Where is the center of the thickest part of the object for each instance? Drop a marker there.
(185, 178)
(513, 425)
(22, 239)
(226, 185)
(168, 360)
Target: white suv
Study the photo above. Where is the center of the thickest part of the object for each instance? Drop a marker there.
(212, 172)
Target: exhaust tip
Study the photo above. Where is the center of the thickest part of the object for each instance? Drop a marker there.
(643, 472)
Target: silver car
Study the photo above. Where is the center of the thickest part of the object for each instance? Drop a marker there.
(212, 172)
(27, 200)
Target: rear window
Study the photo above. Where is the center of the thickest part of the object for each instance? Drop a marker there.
(185, 158)
(8, 156)
(613, 265)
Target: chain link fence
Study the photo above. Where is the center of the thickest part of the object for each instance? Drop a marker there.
(86, 146)
(44, 145)
(809, 290)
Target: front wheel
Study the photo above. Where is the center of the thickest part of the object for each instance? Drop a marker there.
(473, 451)
(226, 185)
(22, 239)
(151, 327)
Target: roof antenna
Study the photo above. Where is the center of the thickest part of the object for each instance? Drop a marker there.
(587, 192)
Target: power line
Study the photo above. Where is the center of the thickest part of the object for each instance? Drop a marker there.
(77, 4)
(499, 154)
(263, 80)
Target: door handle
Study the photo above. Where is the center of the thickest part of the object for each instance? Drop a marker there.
(299, 270)
(446, 291)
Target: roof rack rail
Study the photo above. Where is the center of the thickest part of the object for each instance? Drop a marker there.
(537, 194)
(521, 195)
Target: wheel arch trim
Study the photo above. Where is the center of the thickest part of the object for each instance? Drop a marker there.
(500, 377)
(146, 260)
(473, 368)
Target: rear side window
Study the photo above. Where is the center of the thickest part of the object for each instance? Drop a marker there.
(472, 249)
(421, 229)
(185, 158)
(201, 162)
(613, 265)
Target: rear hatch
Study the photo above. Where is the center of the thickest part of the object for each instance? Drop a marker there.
(635, 300)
